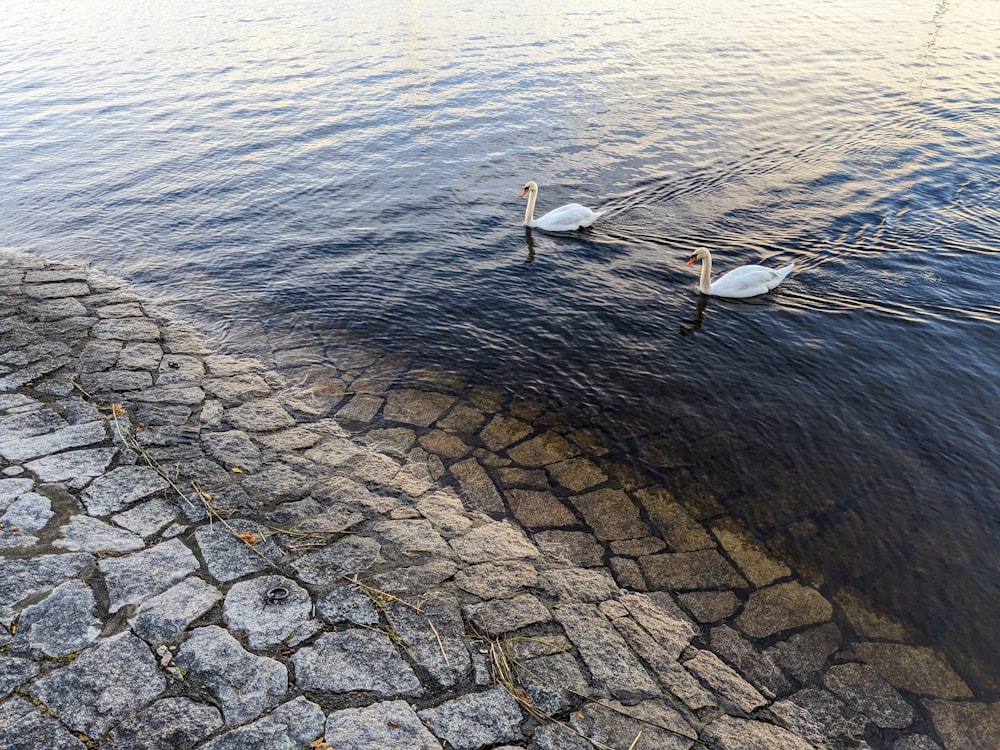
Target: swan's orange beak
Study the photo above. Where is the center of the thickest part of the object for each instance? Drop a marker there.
(692, 259)
(524, 192)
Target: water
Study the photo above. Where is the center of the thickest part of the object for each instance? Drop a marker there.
(352, 171)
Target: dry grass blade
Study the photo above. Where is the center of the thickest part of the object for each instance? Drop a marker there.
(379, 597)
(440, 644)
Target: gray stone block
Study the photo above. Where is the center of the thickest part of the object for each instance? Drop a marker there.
(165, 616)
(58, 625)
(104, 685)
(476, 720)
(167, 723)
(391, 724)
(136, 577)
(355, 660)
(267, 610)
(291, 726)
(244, 684)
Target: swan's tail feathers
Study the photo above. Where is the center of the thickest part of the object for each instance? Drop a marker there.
(594, 217)
(781, 274)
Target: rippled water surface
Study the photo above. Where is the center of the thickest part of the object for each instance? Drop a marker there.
(353, 170)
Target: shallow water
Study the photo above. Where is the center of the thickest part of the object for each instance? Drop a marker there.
(353, 171)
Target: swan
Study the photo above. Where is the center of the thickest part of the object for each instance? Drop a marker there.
(745, 281)
(566, 218)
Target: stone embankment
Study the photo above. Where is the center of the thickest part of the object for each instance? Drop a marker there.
(337, 550)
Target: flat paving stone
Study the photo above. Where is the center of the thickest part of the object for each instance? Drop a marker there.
(126, 329)
(539, 509)
(614, 667)
(60, 624)
(133, 578)
(19, 578)
(419, 408)
(228, 557)
(916, 669)
(725, 681)
(261, 415)
(162, 618)
(444, 509)
(828, 711)
(87, 534)
(491, 580)
(580, 584)
(685, 571)
(147, 518)
(542, 450)
(233, 449)
(140, 356)
(732, 733)
(58, 289)
(507, 615)
(352, 660)
(477, 487)
(784, 606)
(24, 727)
(345, 557)
(347, 604)
(417, 577)
(291, 726)
(267, 610)
(502, 431)
(476, 720)
(14, 672)
(552, 682)
(70, 465)
(117, 381)
(389, 724)
(861, 688)
(121, 487)
(493, 541)
(30, 512)
(673, 522)
(19, 450)
(11, 489)
(434, 637)
(616, 725)
(103, 686)
(759, 668)
(245, 685)
(805, 655)
(577, 474)
(167, 723)
(970, 726)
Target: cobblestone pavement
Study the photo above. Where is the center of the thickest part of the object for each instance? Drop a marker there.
(335, 549)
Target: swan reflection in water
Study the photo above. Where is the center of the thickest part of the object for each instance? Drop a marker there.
(529, 240)
(699, 316)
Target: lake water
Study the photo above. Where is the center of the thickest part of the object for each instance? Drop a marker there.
(353, 171)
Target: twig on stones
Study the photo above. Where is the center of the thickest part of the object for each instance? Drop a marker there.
(635, 741)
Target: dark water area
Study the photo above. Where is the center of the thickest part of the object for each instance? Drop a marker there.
(352, 171)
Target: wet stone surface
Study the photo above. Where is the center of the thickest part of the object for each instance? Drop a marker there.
(330, 546)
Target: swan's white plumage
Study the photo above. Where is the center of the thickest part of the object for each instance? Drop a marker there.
(566, 218)
(742, 282)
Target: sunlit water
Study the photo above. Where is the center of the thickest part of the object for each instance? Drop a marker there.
(353, 169)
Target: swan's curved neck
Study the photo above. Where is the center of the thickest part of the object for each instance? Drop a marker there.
(705, 282)
(529, 212)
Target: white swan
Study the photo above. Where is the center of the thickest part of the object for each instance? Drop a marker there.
(566, 218)
(745, 281)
